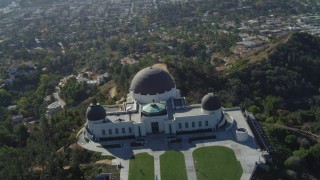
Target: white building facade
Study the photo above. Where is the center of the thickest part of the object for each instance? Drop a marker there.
(154, 105)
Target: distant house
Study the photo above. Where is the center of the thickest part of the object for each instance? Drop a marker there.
(17, 118)
(80, 78)
(92, 82)
(276, 32)
(264, 32)
(13, 107)
(64, 80)
(12, 69)
(243, 35)
(9, 81)
(128, 60)
(47, 99)
(249, 38)
(247, 44)
(102, 78)
(52, 108)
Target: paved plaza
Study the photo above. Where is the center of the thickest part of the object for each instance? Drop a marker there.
(248, 153)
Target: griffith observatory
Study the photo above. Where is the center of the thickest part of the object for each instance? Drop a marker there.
(153, 105)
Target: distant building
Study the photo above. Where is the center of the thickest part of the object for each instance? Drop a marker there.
(11, 108)
(247, 44)
(47, 99)
(12, 69)
(17, 118)
(53, 108)
(128, 60)
(92, 82)
(102, 78)
(9, 81)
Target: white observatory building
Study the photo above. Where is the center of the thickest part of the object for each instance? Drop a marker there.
(154, 105)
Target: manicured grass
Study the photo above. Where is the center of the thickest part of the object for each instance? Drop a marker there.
(172, 166)
(216, 162)
(141, 167)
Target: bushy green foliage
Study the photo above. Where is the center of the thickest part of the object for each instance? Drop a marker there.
(305, 159)
(254, 109)
(5, 98)
(75, 92)
(195, 78)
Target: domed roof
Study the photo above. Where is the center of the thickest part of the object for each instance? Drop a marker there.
(154, 109)
(151, 81)
(96, 112)
(210, 102)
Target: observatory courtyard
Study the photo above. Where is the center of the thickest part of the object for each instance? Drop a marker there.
(155, 134)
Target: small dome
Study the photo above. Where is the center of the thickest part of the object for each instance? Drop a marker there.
(154, 109)
(210, 102)
(151, 81)
(96, 112)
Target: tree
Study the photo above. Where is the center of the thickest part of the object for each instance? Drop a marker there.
(315, 151)
(25, 106)
(22, 134)
(254, 109)
(75, 172)
(293, 162)
(5, 98)
(291, 141)
(15, 163)
(271, 104)
(41, 90)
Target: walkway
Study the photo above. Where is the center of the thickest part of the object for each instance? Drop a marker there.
(157, 173)
(191, 171)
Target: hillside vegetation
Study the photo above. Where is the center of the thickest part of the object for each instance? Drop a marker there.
(283, 91)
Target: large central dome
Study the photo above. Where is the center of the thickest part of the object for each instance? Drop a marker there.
(152, 81)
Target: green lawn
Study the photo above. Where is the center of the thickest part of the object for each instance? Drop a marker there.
(141, 167)
(216, 162)
(172, 166)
